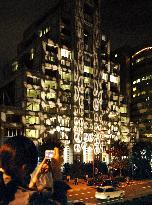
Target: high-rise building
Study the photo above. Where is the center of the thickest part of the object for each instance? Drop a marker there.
(141, 78)
(136, 63)
(65, 85)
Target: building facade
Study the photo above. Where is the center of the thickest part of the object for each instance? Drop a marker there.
(135, 64)
(141, 78)
(65, 85)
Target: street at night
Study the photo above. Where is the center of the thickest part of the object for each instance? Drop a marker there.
(86, 194)
(76, 85)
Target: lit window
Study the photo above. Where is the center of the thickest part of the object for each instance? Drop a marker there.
(65, 53)
(48, 108)
(105, 76)
(115, 128)
(88, 69)
(33, 106)
(113, 79)
(31, 133)
(124, 129)
(65, 87)
(87, 80)
(103, 37)
(66, 76)
(48, 122)
(32, 119)
(63, 62)
(33, 93)
(32, 54)
(51, 95)
(40, 33)
(49, 84)
(124, 119)
(123, 110)
(46, 30)
(140, 59)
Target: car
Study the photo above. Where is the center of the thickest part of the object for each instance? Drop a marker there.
(90, 182)
(94, 182)
(98, 182)
(106, 182)
(106, 193)
(120, 179)
(110, 182)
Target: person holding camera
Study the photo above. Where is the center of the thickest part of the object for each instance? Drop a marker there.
(18, 159)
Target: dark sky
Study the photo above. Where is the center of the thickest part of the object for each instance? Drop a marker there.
(125, 21)
(128, 22)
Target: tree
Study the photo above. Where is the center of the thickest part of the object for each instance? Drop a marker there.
(101, 166)
(141, 159)
(118, 152)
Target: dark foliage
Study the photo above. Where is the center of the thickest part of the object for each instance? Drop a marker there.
(141, 159)
(78, 169)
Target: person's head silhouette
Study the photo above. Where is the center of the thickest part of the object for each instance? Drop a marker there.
(18, 159)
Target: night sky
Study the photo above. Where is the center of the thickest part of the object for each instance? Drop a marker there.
(127, 22)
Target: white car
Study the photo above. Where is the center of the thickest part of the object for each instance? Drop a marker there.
(108, 192)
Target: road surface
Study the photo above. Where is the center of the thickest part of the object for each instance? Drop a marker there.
(86, 194)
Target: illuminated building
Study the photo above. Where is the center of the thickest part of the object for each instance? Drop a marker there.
(135, 66)
(65, 84)
(11, 121)
(141, 78)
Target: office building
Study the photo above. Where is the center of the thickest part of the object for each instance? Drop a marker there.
(135, 64)
(65, 84)
(141, 78)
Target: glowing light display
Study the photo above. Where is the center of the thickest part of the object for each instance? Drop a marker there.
(70, 97)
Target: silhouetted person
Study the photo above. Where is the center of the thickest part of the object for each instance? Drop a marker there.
(18, 159)
(76, 181)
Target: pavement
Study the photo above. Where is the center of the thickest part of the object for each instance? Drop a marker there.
(81, 184)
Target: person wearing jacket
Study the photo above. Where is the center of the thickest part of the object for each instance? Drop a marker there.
(18, 159)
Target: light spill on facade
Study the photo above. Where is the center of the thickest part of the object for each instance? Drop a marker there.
(65, 86)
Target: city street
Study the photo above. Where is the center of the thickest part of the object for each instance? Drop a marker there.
(84, 193)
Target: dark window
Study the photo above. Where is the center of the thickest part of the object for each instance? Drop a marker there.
(110, 190)
(100, 190)
(13, 118)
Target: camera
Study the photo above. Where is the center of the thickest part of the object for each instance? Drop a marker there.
(49, 154)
